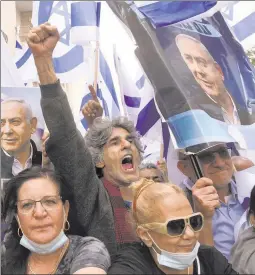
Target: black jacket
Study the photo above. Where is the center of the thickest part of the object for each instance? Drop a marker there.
(180, 104)
(7, 162)
(137, 259)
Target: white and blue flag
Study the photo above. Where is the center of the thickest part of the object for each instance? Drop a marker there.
(86, 31)
(69, 59)
(10, 77)
(240, 17)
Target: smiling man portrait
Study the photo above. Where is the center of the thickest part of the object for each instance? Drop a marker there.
(17, 126)
(209, 75)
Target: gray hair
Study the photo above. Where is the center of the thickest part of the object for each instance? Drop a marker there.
(101, 130)
(148, 165)
(181, 35)
(26, 106)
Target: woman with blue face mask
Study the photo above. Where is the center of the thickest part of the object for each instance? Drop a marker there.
(36, 208)
(169, 231)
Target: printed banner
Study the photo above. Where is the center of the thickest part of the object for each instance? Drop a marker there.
(22, 126)
(204, 84)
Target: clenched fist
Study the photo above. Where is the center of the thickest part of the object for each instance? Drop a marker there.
(92, 108)
(42, 40)
(205, 197)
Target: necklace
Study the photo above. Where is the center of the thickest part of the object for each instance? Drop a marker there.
(63, 250)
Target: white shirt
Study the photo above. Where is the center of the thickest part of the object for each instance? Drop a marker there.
(235, 116)
(234, 119)
(17, 167)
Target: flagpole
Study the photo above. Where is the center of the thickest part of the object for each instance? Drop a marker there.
(96, 65)
(161, 155)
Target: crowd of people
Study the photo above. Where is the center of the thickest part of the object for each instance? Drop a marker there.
(101, 210)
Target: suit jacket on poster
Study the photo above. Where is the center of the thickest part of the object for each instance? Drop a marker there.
(7, 162)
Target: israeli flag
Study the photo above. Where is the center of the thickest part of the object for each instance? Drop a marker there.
(106, 90)
(240, 17)
(10, 77)
(139, 106)
(164, 13)
(69, 59)
(85, 20)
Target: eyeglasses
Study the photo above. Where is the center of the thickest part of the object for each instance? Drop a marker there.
(177, 227)
(209, 157)
(49, 203)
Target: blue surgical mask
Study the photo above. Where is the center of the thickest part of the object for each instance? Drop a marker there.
(178, 261)
(47, 248)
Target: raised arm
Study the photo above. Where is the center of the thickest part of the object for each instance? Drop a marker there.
(65, 147)
(92, 109)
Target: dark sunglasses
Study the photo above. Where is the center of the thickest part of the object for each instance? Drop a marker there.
(209, 157)
(176, 227)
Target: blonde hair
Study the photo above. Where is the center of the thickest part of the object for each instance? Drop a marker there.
(146, 196)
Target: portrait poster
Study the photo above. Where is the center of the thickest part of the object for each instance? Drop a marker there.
(203, 82)
(22, 126)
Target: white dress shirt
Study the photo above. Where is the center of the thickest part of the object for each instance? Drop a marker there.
(17, 166)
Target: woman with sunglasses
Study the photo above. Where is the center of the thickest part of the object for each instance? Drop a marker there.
(169, 231)
(243, 252)
(36, 208)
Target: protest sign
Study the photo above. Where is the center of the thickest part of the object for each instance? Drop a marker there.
(22, 126)
(203, 82)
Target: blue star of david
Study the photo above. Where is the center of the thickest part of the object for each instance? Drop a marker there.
(229, 13)
(67, 17)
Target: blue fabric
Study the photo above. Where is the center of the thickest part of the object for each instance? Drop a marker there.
(196, 126)
(68, 61)
(132, 101)
(166, 13)
(78, 11)
(224, 221)
(242, 30)
(147, 117)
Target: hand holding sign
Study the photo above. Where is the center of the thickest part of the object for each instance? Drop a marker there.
(205, 197)
(92, 108)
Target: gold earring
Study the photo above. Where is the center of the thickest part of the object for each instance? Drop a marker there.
(19, 234)
(68, 225)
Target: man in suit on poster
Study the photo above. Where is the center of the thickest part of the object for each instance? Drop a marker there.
(18, 150)
(209, 75)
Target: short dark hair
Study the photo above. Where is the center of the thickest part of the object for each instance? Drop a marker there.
(14, 261)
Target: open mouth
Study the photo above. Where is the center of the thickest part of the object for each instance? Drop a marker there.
(127, 163)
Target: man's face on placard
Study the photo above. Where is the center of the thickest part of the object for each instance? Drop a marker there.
(16, 127)
(205, 70)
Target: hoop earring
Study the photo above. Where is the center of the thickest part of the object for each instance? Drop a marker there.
(68, 225)
(20, 235)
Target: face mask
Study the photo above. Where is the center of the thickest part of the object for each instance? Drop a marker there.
(47, 248)
(178, 261)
